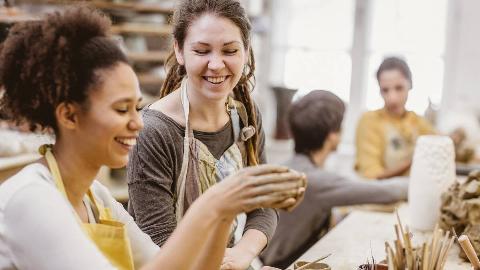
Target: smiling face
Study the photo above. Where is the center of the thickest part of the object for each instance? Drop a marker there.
(394, 89)
(214, 56)
(108, 128)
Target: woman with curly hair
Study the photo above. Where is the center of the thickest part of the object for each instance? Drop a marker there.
(66, 75)
(203, 129)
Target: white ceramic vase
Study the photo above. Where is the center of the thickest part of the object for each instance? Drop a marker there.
(432, 172)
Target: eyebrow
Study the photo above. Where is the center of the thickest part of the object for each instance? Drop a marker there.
(127, 100)
(207, 44)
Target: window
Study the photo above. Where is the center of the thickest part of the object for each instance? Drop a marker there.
(416, 31)
(317, 48)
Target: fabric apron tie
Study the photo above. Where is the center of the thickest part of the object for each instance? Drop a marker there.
(200, 169)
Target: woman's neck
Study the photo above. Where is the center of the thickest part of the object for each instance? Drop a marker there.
(207, 114)
(77, 173)
(395, 114)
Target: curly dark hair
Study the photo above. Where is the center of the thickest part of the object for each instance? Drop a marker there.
(55, 60)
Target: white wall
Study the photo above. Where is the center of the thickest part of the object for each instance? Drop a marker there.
(461, 93)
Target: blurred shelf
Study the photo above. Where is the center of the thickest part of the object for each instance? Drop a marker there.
(148, 56)
(152, 8)
(139, 7)
(150, 79)
(142, 29)
(14, 15)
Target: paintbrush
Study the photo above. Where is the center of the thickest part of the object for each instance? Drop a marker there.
(311, 263)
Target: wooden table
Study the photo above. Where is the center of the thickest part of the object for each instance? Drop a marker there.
(363, 234)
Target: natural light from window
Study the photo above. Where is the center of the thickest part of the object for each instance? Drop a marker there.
(320, 37)
(414, 30)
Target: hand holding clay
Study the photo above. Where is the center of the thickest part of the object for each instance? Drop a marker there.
(263, 186)
(300, 193)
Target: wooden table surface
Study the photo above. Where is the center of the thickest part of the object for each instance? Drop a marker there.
(363, 234)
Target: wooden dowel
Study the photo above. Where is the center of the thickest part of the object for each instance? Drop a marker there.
(433, 249)
(445, 256)
(468, 249)
(399, 222)
(399, 254)
(425, 256)
(443, 248)
(397, 232)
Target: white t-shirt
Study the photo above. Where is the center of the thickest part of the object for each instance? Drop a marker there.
(39, 230)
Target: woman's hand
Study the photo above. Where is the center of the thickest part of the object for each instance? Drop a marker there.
(236, 259)
(263, 186)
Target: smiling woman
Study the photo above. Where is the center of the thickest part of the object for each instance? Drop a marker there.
(203, 129)
(65, 74)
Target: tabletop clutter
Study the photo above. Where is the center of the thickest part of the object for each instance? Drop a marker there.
(460, 210)
(432, 185)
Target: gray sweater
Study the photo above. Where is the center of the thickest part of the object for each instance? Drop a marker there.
(154, 167)
(299, 230)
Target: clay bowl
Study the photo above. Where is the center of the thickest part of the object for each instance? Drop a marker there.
(315, 266)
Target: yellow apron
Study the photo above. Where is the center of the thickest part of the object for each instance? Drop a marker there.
(109, 235)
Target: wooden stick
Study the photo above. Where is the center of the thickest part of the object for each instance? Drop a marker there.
(468, 248)
(444, 259)
(399, 254)
(399, 222)
(397, 232)
(408, 249)
(317, 260)
(390, 257)
(433, 249)
(442, 250)
(437, 249)
(425, 256)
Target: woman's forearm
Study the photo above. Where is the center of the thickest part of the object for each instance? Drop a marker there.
(397, 171)
(211, 255)
(182, 249)
(253, 242)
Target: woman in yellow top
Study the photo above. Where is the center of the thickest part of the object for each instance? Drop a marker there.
(386, 137)
(67, 75)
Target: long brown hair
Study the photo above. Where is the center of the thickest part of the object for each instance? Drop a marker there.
(185, 14)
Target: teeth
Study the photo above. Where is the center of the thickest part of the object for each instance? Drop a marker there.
(129, 142)
(216, 79)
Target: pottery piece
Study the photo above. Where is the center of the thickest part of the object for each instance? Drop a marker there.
(432, 172)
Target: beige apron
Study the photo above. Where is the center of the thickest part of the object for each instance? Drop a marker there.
(109, 235)
(200, 169)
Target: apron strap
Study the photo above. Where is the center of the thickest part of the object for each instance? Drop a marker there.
(237, 113)
(46, 150)
(232, 109)
(237, 110)
(180, 187)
